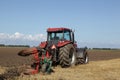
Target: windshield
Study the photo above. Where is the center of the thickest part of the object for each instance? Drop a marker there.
(61, 35)
(55, 36)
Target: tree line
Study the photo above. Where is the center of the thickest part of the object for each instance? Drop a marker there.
(104, 48)
(3, 45)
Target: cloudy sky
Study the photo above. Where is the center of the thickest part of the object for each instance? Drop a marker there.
(96, 22)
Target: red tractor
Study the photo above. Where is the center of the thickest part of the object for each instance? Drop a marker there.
(59, 49)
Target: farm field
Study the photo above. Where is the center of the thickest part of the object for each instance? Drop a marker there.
(103, 65)
(9, 57)
(95, 70)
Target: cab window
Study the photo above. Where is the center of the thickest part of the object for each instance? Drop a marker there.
(67, 35)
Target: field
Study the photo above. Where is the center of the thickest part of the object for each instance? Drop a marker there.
(9, 57)
(103, 65)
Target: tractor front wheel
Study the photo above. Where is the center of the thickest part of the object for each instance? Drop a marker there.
(44, 68)
(86, 58)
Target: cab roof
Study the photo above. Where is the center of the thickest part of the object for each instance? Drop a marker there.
(57, 29)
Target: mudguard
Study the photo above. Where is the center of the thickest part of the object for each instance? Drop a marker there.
(43, 44)
(63, 43)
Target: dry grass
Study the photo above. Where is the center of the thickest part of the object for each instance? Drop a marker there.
(95, 70)
(2, 70)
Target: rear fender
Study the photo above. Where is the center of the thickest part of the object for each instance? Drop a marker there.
(63, 43)
(43, 44)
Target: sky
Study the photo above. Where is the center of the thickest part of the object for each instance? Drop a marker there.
(96, 22)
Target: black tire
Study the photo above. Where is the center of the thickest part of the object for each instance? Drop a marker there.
(44, 68)
(67, 56)
(86, 58)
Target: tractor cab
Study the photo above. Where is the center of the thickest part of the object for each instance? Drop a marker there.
(60, 34)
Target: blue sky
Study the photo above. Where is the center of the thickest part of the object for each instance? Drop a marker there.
(96, 22)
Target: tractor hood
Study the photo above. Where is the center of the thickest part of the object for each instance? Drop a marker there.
(57, 44)
(52, 43)
(48, 44)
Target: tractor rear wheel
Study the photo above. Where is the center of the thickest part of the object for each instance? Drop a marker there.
(67, 56)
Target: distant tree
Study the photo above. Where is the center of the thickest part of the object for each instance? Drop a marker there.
(2, 45)
(101, 48)
(17, 46)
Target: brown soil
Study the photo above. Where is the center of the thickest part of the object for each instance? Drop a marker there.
(9, 57)
(95, 55)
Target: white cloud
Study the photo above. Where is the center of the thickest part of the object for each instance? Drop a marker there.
(16, 35)
(34, 40)
(19, 38)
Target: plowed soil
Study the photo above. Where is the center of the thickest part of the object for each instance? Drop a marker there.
(97, 55)
(9, 57)
(17, 64)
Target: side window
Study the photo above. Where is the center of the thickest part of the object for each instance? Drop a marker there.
(51, 36)
(67, 35)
